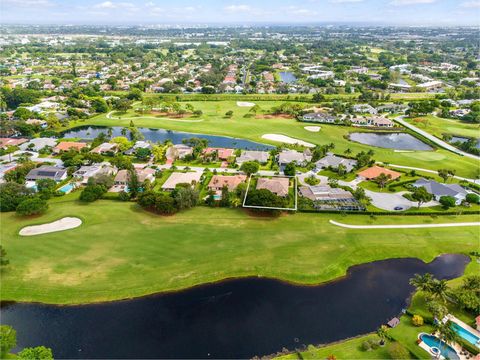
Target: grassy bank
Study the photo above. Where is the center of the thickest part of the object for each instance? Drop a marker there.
(121, 251)
(214, 122)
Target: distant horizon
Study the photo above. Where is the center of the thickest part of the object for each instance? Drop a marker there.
(428, 13)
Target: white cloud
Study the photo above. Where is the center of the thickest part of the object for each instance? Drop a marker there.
(237, 8)
(295, 10)
(471, 4)
(109, 5)
(345, 1)
(26, 3)
(411, 2)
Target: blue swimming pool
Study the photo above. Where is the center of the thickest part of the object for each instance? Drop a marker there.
(446, 350)
(66, 188)
(466, 335)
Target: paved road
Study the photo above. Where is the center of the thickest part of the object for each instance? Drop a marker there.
(407, 226)
(434, 139)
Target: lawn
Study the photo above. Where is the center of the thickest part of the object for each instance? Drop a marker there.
(350, 349)
(439, 126)
(215, 123)
(121, 251)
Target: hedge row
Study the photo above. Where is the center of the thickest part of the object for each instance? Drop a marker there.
(413, 213)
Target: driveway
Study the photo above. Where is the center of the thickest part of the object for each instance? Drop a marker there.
(389, 201)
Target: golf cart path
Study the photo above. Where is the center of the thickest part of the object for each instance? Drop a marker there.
(434, 139)
(476, 181)
(407, 226)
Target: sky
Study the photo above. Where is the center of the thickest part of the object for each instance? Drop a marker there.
(138, 12)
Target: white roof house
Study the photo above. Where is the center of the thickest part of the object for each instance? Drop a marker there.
(181, 178)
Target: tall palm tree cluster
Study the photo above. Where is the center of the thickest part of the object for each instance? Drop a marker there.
(436, 296)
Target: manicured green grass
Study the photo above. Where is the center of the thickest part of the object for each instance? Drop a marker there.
(439, 126)
(350, 349)
(121, 251)
(253, 129)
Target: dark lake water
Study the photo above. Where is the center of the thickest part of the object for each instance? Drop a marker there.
(399, 141)
(232, 319)
(287, 77)
(160, 135)
(462, 140)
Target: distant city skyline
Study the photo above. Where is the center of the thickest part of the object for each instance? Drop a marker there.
(135, 12)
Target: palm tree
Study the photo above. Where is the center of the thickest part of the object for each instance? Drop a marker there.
(422, 282)
(348, 151)
(439, 289)
(382, 334)
(445, 332)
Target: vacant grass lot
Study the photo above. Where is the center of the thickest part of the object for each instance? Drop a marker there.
(439, 126)
(215, 123)
(121, 251)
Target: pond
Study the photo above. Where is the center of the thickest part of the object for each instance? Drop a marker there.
(459, 139)
(237, 318)
(160, 135)
(398, 141)
(287, 77)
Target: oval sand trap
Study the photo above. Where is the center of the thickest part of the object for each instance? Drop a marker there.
(245, 104)
(286, 140)
(312, 128)
(58, 225)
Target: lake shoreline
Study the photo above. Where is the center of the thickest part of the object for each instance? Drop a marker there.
(348, 273)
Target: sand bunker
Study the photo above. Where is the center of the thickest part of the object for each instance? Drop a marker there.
(286, 140)
(312, 128)
(58, 225)
(245, 104)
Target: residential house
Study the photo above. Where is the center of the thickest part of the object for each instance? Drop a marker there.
(277, 185)
(123, 176)
(334, 161)
(365, 108)
(222, 153)
(376, 171)
(86, 172)
(178, 151)
(438, 190)
(6, 142)
(324, 193)
(253, 155)
(68, 145)
(320, 117)
(105, 148)
(38, 144)
(231, 182)
(47, 172)
(434, 85)
(288, 156)
(181, 178)
(138, 145)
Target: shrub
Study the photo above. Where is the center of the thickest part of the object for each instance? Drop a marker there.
(447, 201)
(417, 320)
(473, 198)
(11, 195)
(92, 193)
(366, 345)
(33, 206)
(398, 351)
(36, 353)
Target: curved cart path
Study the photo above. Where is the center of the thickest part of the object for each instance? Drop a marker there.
(406, 226)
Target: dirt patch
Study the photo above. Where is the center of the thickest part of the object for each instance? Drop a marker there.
(169, 115)
(274, 116)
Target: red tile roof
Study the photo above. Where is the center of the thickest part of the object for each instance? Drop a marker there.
(375, 171)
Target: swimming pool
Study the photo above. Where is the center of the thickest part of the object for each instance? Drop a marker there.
(433, 342)
(66, 188)
(466, 335)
